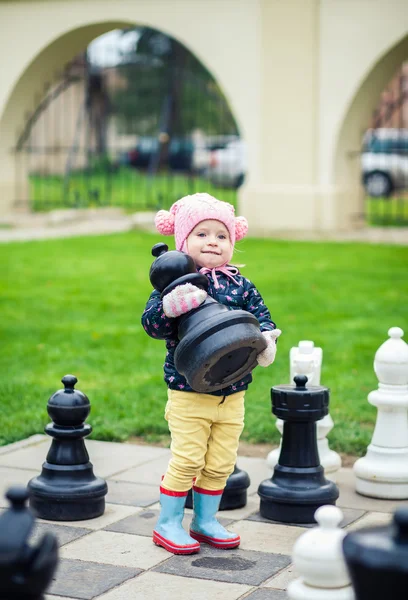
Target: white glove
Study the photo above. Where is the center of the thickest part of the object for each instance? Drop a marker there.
(267, 356)
(183, 299)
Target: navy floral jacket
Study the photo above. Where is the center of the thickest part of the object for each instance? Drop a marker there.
(242, 296)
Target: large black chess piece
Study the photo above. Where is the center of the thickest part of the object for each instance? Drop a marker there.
(298, 486)
(235, 491)
(67, 489)
(217, 346)
(25, 570)
(377, 559)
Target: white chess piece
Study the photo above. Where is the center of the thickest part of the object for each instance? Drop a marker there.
(306, 359)
(383, 471)
(318, 557)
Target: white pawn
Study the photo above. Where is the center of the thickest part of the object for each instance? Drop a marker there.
(383, 471)
(318, 557)
(306, 359)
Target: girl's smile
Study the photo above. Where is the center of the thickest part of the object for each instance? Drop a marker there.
(209, 244)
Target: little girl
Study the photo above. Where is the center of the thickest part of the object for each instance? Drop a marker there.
(205, 428)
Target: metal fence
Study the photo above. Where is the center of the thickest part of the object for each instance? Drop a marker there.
(136, 135)
(384, 167)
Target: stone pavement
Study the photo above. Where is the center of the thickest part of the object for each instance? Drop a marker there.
(113, 557)
(65, 223)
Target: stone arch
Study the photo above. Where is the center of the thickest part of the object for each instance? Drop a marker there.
(347, 173)
(29, 84)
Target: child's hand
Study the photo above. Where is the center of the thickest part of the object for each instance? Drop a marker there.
(183, 299)
(267, 356)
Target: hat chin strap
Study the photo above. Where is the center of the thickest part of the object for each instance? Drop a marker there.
(228, 270)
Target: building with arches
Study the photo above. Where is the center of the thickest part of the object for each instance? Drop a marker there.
(302, 78)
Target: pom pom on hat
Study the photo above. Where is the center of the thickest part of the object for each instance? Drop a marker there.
(188, 212)
(241, 228)
(164, 221)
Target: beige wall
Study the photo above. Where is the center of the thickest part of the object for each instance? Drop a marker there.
(301, 77)
(284, 187)
(362, 43)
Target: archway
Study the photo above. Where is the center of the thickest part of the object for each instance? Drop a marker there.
(347, 163)
(29, 88)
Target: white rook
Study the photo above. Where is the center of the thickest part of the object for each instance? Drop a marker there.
(383, 471)
(318, 557)
(306, 359)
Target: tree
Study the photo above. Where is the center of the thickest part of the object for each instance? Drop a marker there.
(168, 90)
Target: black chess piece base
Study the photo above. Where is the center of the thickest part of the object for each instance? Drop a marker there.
(235, 492)
(298, 486)
(294, 495)
(66, 498)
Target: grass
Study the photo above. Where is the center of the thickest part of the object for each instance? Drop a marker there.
(133, 189)
(74, 306)
(125, 187)
(387, 211)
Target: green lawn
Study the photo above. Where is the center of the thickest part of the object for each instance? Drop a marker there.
(74, 306)
(133, 189)
(124, 187)
(387, 211)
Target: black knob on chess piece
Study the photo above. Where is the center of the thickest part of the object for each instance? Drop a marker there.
(67, 489)
(217, 346)
(25, 570)
(377, 559)
(298, 486)
(234, 494)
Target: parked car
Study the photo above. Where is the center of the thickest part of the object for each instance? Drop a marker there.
(204, 145)
(180, 154)
(385, 161)
(228, 165)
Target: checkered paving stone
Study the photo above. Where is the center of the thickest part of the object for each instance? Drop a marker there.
(233, 566)
(10, 476)
(271, 538)
(87, 580)
(64, 534)
(143, 523)
(150, 473)
(122, 549)
(281, 581)
(131, 494)
(262, 594)
(350, 515)
(159, 586)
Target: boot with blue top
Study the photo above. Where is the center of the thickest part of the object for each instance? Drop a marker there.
(205, 527)
(169, 532)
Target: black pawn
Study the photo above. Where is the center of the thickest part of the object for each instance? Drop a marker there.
(298, 486)
(25, 570)
(67, 489)
(234, 494)
(377, 559)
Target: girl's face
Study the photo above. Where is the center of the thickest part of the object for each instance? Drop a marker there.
(209, 244)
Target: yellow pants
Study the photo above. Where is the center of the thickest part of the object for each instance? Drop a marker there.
(205, 433)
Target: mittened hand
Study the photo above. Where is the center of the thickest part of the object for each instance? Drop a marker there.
(267, 356)
(183, 299)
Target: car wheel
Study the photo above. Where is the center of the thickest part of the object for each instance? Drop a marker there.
(378, 184)
(239, 181)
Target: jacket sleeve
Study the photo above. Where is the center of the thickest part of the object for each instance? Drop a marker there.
(155, 322)
(256, 306)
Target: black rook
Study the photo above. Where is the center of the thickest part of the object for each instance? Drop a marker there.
(298, 486)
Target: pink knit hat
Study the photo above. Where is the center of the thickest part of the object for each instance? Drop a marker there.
(187, 212)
